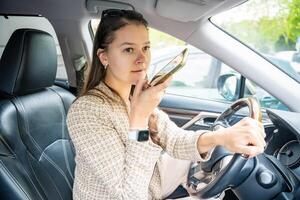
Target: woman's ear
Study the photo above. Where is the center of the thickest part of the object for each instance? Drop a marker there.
(101, 53)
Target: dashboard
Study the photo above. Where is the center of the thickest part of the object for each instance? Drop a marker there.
(283, 139)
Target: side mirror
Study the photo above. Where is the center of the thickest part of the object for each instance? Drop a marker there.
(228, 86)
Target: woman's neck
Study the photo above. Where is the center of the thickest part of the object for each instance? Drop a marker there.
(123, 89)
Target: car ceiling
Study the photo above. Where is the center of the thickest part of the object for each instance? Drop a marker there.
(78, 9)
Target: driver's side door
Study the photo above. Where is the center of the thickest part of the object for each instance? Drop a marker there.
(194, 90)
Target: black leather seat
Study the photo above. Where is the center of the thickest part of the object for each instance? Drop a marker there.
(36, 154)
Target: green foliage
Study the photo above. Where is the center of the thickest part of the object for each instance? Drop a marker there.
(273, 26)
(260, 34)
(293, 20)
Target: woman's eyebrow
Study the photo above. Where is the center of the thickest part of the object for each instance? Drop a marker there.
(131, 43)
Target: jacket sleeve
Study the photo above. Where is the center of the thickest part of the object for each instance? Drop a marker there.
(177, 142)
(124, 170)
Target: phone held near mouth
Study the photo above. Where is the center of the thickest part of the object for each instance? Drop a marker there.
(171, 68)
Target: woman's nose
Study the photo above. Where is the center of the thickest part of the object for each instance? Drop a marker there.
(141, 57)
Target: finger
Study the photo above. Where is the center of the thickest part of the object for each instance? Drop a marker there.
(249, 150)
(168, 81)
(259, 131)
(161, 95)
(262, 129)
(260, 140)
(138, 88)
(146, 85)
(164, 85)
(255, 139)
(246, 121)
(250, 139)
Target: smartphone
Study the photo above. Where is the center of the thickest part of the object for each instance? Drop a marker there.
(171, 68)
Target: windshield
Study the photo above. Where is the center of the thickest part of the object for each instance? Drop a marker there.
(271, 28)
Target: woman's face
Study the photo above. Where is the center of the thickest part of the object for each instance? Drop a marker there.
(128, 56)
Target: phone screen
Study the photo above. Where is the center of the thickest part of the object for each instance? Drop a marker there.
(173, 66)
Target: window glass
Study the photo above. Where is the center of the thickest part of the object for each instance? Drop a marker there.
(265, 99)
(271, 28)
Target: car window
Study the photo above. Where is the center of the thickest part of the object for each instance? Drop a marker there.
(10, 23)
(271, 28)
(202, 73)
(265, 99)
(186, 77)
(198, 78)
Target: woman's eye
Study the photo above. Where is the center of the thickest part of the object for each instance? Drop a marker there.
(128, 50)
(146, 48)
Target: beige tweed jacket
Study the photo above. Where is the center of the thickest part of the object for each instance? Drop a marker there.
(108, 164)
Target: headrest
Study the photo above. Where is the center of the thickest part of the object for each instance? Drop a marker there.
(28, 62)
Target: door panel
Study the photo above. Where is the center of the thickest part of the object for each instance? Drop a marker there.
(182, 109)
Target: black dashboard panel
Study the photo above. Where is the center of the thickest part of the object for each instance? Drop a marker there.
(287, 120)
(284, 143)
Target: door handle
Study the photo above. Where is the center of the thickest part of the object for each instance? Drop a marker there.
(207, 122)
(202, 119)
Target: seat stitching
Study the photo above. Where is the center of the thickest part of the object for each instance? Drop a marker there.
(13, 179)
(17, 158)
(42, 184)
(43, 153)
(25, 169)
(38, 147)
(63, 112)
(26, 124)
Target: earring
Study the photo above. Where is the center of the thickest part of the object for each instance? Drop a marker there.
(105, 66)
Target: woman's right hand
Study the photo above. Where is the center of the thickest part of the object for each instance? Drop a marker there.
(144, 100)
(246, 137)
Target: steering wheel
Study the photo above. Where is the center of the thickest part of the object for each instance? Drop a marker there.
(211, 178)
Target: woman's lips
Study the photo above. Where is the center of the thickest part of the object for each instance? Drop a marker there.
(135, 71)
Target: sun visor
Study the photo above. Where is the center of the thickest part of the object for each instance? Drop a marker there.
(97, 6)
(196, 8)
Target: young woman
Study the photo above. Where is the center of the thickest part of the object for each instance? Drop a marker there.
(114, 158)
